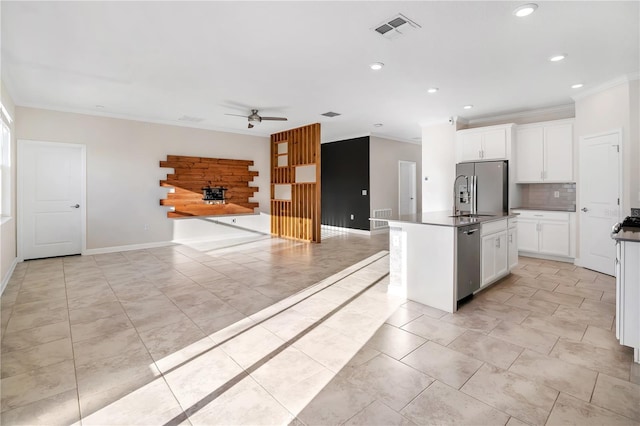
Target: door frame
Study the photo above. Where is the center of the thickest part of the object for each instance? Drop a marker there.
(415, 186)
(20, 190)
(616, 131)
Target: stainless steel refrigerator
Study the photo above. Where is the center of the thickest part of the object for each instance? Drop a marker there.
(492, 187)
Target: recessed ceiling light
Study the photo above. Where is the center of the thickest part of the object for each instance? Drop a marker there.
(467, 106)
(432, 90)
(376, 66)
(558, 58)
(525, 10)
(99, 106)
(378, 125)
(577, 86)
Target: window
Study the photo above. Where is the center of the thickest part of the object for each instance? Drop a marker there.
(5, 164)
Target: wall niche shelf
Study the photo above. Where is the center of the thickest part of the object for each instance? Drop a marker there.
(191, 174)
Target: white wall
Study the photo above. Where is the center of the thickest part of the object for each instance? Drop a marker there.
(438, 166)
(8, 224)
(384, 155)
(123, 174)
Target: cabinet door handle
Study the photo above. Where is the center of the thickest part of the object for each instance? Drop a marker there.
(511, 238)
(541, 175)
(497, 242)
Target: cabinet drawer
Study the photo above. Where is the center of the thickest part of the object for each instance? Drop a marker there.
(493, 227)
(542, 214)
(512, 222)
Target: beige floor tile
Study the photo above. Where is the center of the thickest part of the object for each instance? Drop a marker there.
(559, 279)
(287, 324)
(485, 348)
(519, 271)
(608, 297)
(165, 340)
(202, 375)
(378, 414)
(555, 373)
(243, 404)
(512, 394)
(604, 339)
(515, 422)
(36, 357)
(106, 346)
(434, 329)
(471, 319)
(329, 347)
(35, 336)
(537, 283)
(554, 325)
(440, 404)
(516, 288)
(394, 342)
(540, 306)
(94, 312)
(39, 306)
(293, 378)
(579, 273)
(99, 327)
(152, 403)
(599, 307)
(634, 373)
(444, 364)
(559, 298)
(36, 385)
(596, 285)
(611, 362)
(390, 381)
(345, 400)
(619, 396)
(571, 411)
(525, 337)
(495, 295)
(402, 316)
(423, 309)
(499, 311)
(60, 409)
(584, 316)
(252, 346)
(542, 269)
(579, 291)
(25, 321)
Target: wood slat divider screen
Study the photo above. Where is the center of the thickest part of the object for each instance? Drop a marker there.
(191, 174)
(299, 217)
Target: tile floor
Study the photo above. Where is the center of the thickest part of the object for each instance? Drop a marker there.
(268, 331)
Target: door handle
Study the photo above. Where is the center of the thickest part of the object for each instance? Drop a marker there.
(584, 209)
(77, 206)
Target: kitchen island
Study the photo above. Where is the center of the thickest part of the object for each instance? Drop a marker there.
(424, 251)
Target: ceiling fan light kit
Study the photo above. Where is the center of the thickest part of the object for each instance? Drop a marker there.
(254, 118)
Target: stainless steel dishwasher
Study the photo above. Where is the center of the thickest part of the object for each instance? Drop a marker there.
(468, 260)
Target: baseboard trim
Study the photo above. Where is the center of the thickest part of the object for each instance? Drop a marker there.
(114, 249)
(548, 257)
(7, 277)
(349, 230)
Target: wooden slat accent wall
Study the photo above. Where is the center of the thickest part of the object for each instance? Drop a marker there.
(191, 174)
(299, 217)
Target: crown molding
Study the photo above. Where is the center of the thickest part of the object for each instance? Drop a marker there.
(396, 139)
(623, 79)
(567, 109)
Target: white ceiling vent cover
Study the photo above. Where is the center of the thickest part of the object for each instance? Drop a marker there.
(396, 26)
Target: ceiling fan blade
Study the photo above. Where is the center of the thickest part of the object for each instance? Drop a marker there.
(250, 126)
(238, 115)
(274, 118)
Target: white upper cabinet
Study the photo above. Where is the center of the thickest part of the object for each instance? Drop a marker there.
(544, 152)
(484, 143)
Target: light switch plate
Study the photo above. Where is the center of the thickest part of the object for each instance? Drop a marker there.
(364, 192)
(556, 194)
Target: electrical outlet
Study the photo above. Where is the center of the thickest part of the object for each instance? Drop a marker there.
(635, 212)
(364, 192)
(147, 226)
(352, 217)
(556, 194)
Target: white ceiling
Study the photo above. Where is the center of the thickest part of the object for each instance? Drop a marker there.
(159, 61)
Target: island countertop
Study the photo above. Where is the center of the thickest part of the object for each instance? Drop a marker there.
(444, 218)
(627, 234)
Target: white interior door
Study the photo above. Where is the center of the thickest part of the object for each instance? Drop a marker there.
(407, 187)
(600, 191)
(51, 199)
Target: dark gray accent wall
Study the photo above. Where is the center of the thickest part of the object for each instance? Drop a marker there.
(345, 173)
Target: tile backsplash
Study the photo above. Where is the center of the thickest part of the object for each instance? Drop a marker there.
(541, 195)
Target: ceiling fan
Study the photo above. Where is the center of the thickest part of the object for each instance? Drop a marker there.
(255, 118)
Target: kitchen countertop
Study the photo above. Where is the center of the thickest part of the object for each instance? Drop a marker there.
(627, 234)
(549, 209)
(444, 218)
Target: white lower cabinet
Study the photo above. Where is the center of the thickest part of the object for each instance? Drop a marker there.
(512, 242)
(494, 252)
(543, 232)
(627, 295)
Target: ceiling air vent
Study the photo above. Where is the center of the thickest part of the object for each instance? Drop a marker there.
(331, 114)
(395, 26)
